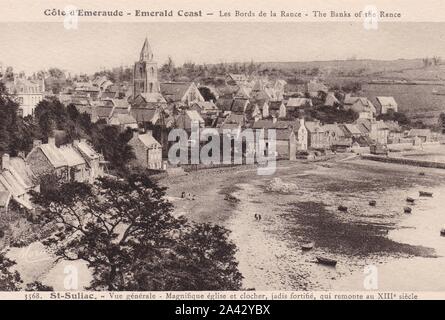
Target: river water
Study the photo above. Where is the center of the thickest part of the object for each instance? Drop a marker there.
(421, 228)
(406, 249)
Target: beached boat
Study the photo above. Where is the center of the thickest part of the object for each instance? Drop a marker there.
(307, 246)
(410, 200)
(372, 203)
(425, 194)
(230, 198)
(407, 210)
(342, 208)
(327, 261)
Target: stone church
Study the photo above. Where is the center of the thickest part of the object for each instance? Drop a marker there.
(145, 80)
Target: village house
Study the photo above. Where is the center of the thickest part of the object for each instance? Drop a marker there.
(395, 134)
(241, 106)
(262, 105)
(277, 109)
(379, 132)
(5, 198)
(302, 134)
(285, 138)
(315, 88)
(46, 159)
(336, 136)
(95, 168)
(205, 108)
(295, 104)
(422, 135)
(236, 78)
(351, 130)
(317, 137)
(257, 113)
(186, 118)
(76, 164)
(224, 105)
(331, 100)
(27, 93)
(16, 182)
(291, 136)
(181, 93)
(123, 121)
(147, 150)
(360, 105)
(243, 93)
(86, 90)
(386, 104)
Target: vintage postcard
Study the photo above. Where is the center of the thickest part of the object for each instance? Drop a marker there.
(222, 150)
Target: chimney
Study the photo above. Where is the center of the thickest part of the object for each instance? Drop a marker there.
(135, 134)
(36, 143)
(51, 141)
(302, 122)
(274, 119)
(5, 161)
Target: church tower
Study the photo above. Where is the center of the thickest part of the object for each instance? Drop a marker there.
(145, 76)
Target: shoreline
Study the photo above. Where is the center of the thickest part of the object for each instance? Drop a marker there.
(269, 254)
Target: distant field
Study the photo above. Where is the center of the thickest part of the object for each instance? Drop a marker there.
(417, 101)
(412, 99)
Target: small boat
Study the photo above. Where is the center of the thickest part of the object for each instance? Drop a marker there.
(410, 200)
(442, 232)
(421, 173)
(307, 246)
(327, 261)
(372, 203)
(230, 198)
(342, 208)
(425, 194)
(407, 210)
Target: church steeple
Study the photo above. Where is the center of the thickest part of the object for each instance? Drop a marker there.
(146, 53)
(145, 76)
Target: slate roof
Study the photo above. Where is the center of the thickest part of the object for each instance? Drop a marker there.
(54, 155)
(313, 126)
(71, 155)
(299, 102)
(174, 91)
(352, 129)
(388, 102)
(148, 140)
(86, 150)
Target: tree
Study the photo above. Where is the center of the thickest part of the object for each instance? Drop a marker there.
(9, 280)
(399, 117)
(207, 94)
(113, 144)
(125, 231)
(38, 286)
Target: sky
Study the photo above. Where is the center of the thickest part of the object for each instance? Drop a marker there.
(35, 46)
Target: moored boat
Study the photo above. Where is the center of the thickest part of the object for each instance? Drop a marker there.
(372, 203)
(425, 194)
(307, 246)
(410, 200)
(442, 232)
(327, 261)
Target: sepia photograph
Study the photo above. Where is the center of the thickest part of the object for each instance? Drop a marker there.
(249, 157)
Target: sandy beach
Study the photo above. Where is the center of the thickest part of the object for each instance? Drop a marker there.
(270, 255)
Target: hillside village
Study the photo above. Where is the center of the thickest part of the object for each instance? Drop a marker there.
(310, 119)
